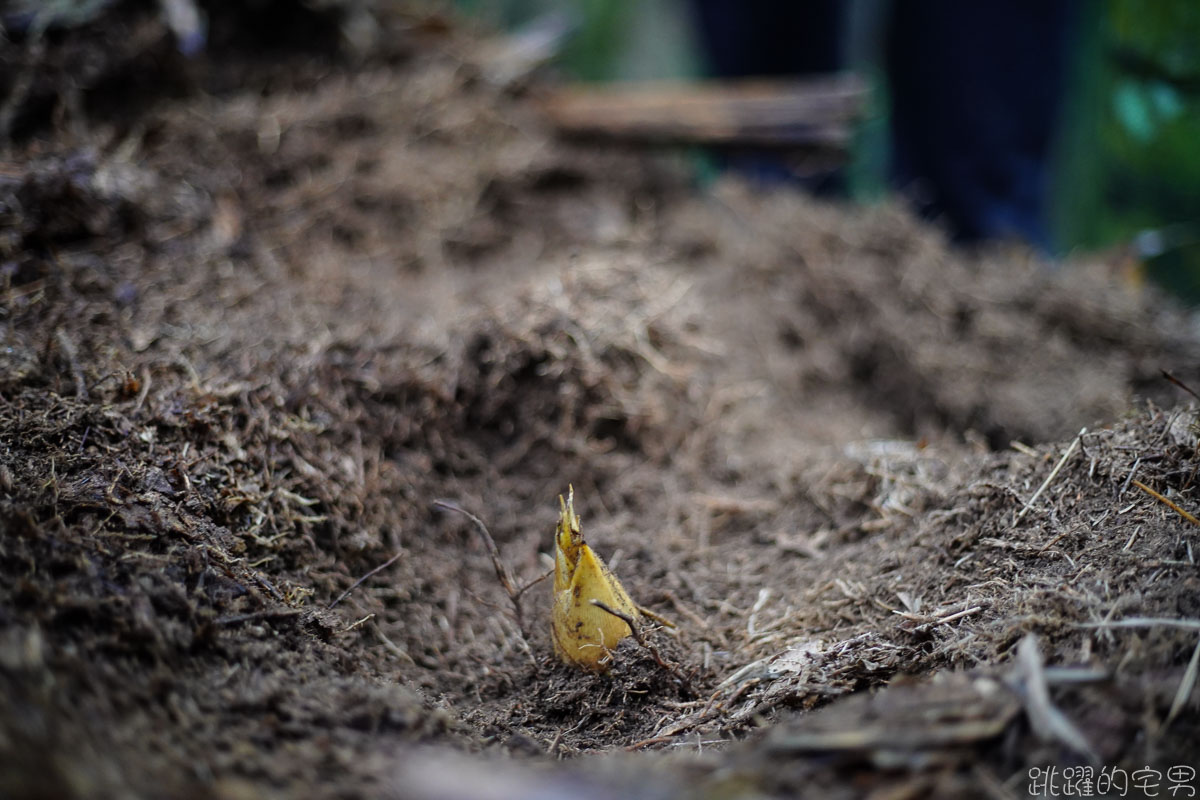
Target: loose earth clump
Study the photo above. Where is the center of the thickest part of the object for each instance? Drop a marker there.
(264, 318)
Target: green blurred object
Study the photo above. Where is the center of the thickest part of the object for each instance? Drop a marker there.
(1129, 167)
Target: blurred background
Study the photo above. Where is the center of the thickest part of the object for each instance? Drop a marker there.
(1113, 86)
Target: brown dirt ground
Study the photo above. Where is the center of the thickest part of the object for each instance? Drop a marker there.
(261, 309)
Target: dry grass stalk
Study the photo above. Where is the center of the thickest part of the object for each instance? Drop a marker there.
(1189, 517)
(1053, 474)
(640, 638)
(359, 582)
(1185, 686)
(503, 573)
(1046, 719)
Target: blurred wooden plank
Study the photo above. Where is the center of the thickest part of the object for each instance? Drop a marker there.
(815, 112)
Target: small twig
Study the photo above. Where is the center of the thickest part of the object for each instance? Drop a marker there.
(1023, 448)
(1132, 537)
(503, 573)
(1189, 517)
(534, 582)
(1144, 622)
(1132, 471)
(1047, 721)
(237, 619)
(502, 570)
(358, 582)
(355, 624)
(647, 742)
(1052, 542)
(1185, 686)
(1053, 474)
(391, 646)
(1072, 676)
(692, 616)
(266, 584)
(143, 392)
(558, 737)
(1179, 383)
(764, 595)
(72, 356)
(640, 638)
(959, 615)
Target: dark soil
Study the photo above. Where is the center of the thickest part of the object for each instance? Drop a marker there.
(262, 308)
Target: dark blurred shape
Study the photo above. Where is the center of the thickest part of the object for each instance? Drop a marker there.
(976, 90)
(755, 38)
(275, 25)
(764, 38)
